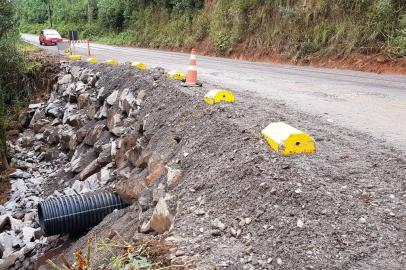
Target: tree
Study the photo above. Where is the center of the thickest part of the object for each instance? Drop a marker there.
(50, 11)
(10, 66)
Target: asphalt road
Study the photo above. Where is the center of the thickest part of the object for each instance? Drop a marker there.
(365, 102)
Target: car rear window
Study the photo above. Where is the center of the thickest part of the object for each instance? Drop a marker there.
(51, 32)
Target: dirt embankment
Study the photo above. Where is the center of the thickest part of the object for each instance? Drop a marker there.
(373, 62)
(226, 200)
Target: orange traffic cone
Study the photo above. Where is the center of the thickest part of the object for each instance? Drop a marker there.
(191, 77)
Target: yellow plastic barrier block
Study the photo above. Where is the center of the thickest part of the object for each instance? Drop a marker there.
(219, 95)
(287, 140)
(177, 75)
(139, 65)
(112, 62)
(92, 60)
(75, 57)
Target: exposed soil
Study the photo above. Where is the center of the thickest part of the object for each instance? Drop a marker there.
(4, 187)
(343, 208)
(376, 62)
(368, 62)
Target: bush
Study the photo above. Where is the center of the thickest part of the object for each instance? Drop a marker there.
(325, 26)
(397, 45)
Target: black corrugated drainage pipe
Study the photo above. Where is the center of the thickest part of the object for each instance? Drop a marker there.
(76, 213)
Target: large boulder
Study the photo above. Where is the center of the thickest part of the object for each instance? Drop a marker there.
(112, 99)
(4, 223)
(114, 118)
(126, 101)
(105, 155)
(82, 132)
(69, 112)
(65, 79)
(69, 95)
(94, 134)
(81, 160)
(28, 234)
(65, 137)
(8, 240)
(133, 185)
(76, 72)
(73, 143)
(133, 155)
(173, 177)
(84, 76)
(105, 174)
(19, 174)
(161, 220)
(51, 135)
(103, 93)
(124, 145)
(7, 262)
(80, 87)
(104, 139)
(83, 100)
(90, 169)
(38, 115)
(103, 111)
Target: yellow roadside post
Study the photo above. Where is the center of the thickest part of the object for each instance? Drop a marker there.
(177, 75)
(92, 60)
(138, 65)
(287, 140)
(74, 57)
(112, 62)
(219, 95)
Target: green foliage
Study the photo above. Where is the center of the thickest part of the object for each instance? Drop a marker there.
(136, 262)
(11, 61)
(10, 67)
(398, 44)
(322, 27)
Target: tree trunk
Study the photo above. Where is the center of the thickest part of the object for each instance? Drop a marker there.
(50, 13)
(3, 146)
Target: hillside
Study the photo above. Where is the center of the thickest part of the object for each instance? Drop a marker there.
(295, 30)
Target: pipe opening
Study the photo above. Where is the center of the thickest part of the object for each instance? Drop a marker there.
(77, 213)
(41, 217)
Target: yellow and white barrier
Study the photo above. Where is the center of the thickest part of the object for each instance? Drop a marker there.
(177, 75)
(219, 95)
(112, 62)
(287, 140)
(92, 60)
(140, 66)
(75, 57)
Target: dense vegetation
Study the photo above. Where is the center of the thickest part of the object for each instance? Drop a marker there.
(295, 28)
(17, 75)
(10, 63)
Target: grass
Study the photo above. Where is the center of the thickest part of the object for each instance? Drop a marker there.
(28, 48)
(148, 254)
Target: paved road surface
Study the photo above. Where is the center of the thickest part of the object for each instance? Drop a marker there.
(366, 102)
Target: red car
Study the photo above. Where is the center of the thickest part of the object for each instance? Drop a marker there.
(49, 37)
